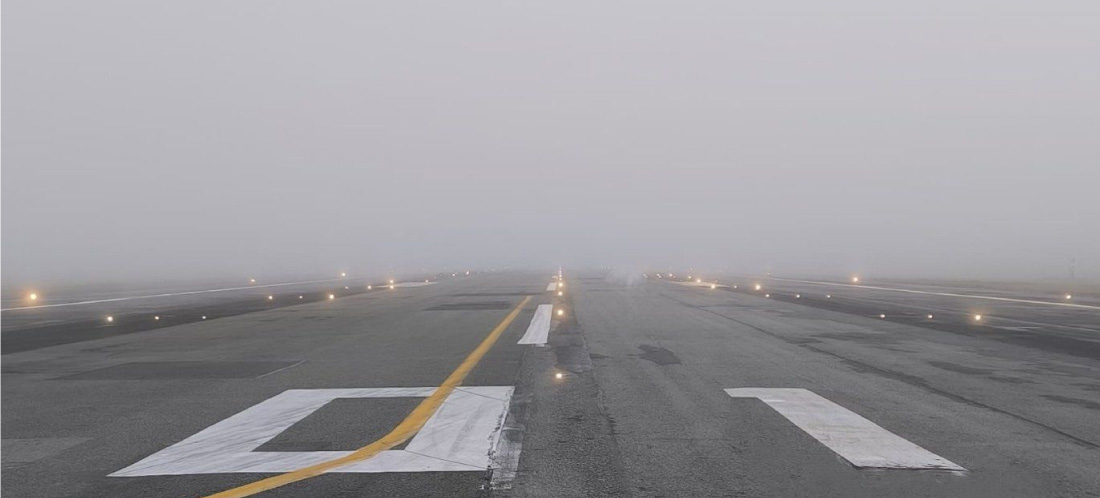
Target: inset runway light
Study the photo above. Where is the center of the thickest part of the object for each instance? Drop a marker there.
(698, 280)
(110, 319)
(299, 297)
(157, 318)
(391, 281)
(345, 287)
(855, 280)
(798, 296)
(270, 298)
(561, 312)
(251, 280)
(425, 280)
(343, 274)
(930, 317)
(1069, 296)
(828, 296)
(467, 272)
(391, 287)
(561, 285)
(332, 296)
(369, 287)
(882, 316)
(33, 296)
(689, 277)
(559, 376)
(977, 318)
(712, 286)
(560, 293)
(735, 287)
(204, 317)
(767, 295)
(757, 286)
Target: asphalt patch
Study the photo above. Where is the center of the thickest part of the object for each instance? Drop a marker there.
(485, 305)
(165, 370)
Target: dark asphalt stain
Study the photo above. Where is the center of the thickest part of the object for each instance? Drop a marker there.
(477, 306)
(955, 367)
(1091, 405)
(658, 355)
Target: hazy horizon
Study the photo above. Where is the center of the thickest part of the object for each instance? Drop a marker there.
(189, 140)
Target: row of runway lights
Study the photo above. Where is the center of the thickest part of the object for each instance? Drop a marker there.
(977, 317)
(854, 280)
(560, 312)
(271, 297)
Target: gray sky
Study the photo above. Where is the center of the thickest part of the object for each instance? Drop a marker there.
(168, 138)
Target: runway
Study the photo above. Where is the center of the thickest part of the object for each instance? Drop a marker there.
(618, 386)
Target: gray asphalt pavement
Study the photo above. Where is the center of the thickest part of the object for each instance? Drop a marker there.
(627, 398)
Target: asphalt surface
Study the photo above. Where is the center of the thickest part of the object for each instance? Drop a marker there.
(626, 399)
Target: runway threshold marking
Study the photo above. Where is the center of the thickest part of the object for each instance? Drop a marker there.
(405, 430)
(552, 286)
(539, 329)
(859, 441)
(946, 294)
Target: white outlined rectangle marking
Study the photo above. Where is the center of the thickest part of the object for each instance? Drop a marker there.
(552, 286)
(539, 329)
(460, 436)
(858, 440)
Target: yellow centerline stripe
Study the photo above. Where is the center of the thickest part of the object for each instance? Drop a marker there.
(405, 430)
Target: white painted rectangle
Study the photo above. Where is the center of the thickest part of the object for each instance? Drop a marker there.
(858, 440)
(539, 329)
(553, 286)
(460, 437)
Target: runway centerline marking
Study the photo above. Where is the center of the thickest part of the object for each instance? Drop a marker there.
(539, 329)
(404, 430)
(859, 441)
(945, 294)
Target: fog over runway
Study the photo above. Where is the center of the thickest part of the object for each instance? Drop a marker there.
(550, 249)
(600, 384)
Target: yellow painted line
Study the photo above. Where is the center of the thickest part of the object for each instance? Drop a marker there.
(405, 430)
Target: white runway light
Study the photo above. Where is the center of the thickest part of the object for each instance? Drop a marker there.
(157, 318)
(855, 280)
(757, 286)
(712, 286)
(977, 318)
(560, 293)
(332, 296)
(343, 274)
(559, 376)
(270, 298)
(204, 317)
(33, 296)
(110, 319)
(1069, 296)
(561, 312)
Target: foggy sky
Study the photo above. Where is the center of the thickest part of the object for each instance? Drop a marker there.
(167, 139)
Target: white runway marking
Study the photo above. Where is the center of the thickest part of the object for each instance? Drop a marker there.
(539, 329)
(851, 436)
(461, 436)
(552, 286)
(947, 294)
(171, 294)
(413, 284)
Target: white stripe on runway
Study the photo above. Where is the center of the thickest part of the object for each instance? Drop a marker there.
(553, 286)
(851, 436)
(931, 293)
(540, 326)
